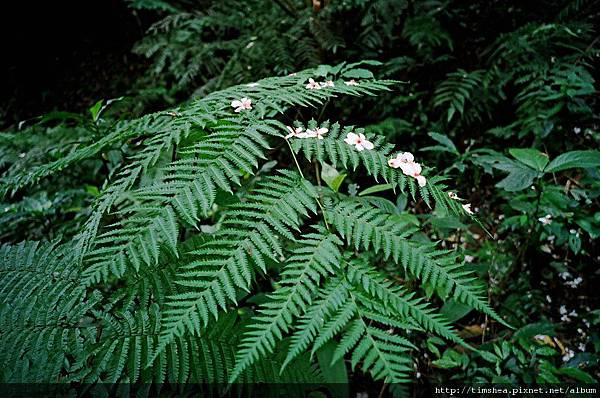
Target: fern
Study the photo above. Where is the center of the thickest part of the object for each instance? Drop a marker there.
(191, 225)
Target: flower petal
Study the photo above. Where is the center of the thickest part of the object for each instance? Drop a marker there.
(368, 145)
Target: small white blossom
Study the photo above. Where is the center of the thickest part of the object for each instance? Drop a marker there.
(573, 313)
(547, 219)
(240, 105)
(469, 259)
(359, 141)
(22, 155)
(568, 355)
(586, 323)
(467, 208)
(313, 85)
(581, 347)
(292, 74)
(318, 133)
(564, 275)
(562, 310)
(328, 83)
(351, 82)
(294, 132)
(252, 84)
(577, 130)
(453, 195)
(574, 283)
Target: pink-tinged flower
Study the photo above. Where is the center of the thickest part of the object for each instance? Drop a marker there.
(318, 133)
(467, 208)
(351, 82)
(359, 141)
(313, 85)
(406, 162)
(293, 132)
(240, 105)
(328, 83)
(453, 195)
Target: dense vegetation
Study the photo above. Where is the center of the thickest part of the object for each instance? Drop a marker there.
(316, 192)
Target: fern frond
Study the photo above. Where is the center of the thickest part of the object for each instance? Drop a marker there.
(373, 229)
(245, 242)
(316, 258)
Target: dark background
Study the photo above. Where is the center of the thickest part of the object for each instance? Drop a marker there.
(65, 55)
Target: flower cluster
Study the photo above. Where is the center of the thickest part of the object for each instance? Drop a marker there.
(466, 207)
(309, 133)
(313, 85)
(406, 162)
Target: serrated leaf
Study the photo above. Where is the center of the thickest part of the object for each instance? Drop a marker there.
(574, 159)
(530, 157)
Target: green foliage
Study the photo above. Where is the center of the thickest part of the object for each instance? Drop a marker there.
(206, 245)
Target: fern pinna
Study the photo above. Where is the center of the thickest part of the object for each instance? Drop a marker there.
(196, 223)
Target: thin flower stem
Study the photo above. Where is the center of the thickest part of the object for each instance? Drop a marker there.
(318, 175)
(294, 156)
(318, 181)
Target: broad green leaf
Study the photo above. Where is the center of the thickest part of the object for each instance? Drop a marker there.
(334, 374)
(576, 374)
(574, 159)
(358, 73)
(95, 110)
(518, 178)
(531, 157)
(376, 188)
(332, 177)
(453, 310)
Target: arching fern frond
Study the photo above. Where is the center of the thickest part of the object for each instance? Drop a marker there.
(317, 257)
(248, 239)
(373, 229)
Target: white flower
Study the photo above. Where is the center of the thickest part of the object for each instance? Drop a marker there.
(240, 105)
(293, 132)
(313, 85)
(577, 130)
(351, 82)
(568, 355)
(422, 181)
(252, 84)
(467, 208)
(318, 133)
(581, 347)
(292, 74)
(359, 141)
(453, 195)
(328, 83)
(547, 219)
(469, 259)
(562, 310)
